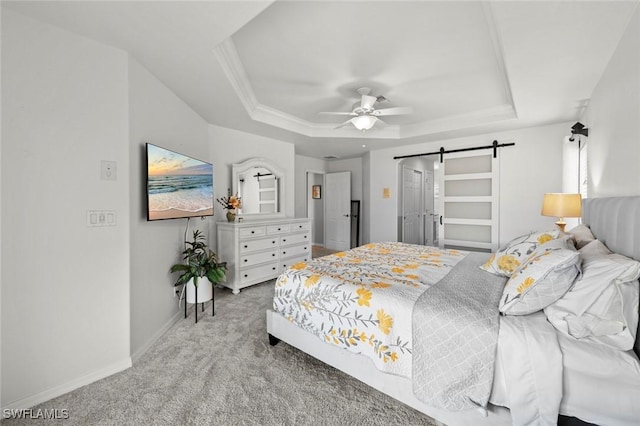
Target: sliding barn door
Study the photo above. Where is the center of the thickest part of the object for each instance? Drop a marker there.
(469, 201)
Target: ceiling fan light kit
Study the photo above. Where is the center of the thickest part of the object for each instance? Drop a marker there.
(364, 122)
(364, 112)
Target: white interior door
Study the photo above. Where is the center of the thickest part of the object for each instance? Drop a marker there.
(337, 210)
(430, 216)
(469, 201)
(412, 206)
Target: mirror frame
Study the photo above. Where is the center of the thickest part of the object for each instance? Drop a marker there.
(239, 168)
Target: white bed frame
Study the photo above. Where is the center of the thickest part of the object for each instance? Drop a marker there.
(615, 221)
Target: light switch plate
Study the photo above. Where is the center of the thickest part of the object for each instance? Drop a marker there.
(108, 170)
(99, 218)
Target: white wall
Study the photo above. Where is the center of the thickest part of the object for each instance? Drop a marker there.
(0, 223)
(228, 146)
(365, 208)
(316, 208)
(613, 119)
(527, 170)
(65, 286)
(159, 117)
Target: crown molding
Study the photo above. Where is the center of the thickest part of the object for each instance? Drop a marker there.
(233, 68)
(228, 57)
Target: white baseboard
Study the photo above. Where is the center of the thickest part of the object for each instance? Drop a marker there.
(318, 244)
(56, 391)
(158, 334)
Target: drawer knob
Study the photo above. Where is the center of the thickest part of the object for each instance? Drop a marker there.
(305, 248)
(274, 268)
(253, 232)
(245, 246)
(305, 236)
(284, 252)
(278, 229)
(284, 240)
(273, 242)
(245, 275)
(273, 254)
(246, 260)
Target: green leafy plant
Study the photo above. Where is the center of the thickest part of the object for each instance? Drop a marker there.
(200, 262)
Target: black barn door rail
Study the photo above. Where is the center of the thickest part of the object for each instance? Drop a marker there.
(442, 151)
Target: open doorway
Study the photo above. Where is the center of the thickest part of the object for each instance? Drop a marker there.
(416, 208)
(315, 206)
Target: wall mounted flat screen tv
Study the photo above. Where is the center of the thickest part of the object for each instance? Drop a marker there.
(178, 186)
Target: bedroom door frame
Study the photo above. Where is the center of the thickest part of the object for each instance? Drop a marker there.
(309, 206)
(413, 215)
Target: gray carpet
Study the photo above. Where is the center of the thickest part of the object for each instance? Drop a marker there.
(222, 371)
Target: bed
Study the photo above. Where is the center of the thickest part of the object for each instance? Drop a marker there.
(384, 360)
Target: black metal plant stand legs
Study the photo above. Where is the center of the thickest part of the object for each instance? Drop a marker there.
(195, 308)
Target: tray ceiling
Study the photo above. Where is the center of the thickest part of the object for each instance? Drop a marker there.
(269, 68)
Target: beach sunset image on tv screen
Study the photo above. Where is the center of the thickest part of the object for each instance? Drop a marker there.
(177, 185)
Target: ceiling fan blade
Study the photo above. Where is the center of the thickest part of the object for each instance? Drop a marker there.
(336, 113)
(393, 111)
(344, 124)
(367, 101)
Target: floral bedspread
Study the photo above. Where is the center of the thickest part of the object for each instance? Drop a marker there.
(362, 299)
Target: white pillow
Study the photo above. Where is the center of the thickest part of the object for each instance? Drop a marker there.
(545, 277)
(509, 258)
(582, 235)
(602, 306)
(594, 249)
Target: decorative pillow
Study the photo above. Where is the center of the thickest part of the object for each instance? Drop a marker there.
(582, 235)
(545, 277)
(602, 306)
(506, 260)
(594, 249)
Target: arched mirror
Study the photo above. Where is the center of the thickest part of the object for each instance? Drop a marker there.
(259, 183)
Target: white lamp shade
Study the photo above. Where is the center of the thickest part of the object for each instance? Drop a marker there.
(364, 122)
(562, 205)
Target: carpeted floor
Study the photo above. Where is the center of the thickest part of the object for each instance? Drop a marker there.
(222, 371)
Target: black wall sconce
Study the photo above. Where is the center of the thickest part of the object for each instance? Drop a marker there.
(578, 129)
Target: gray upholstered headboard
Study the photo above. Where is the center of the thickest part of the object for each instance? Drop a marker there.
(616, 222)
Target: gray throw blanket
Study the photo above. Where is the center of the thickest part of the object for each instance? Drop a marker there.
(455, 333)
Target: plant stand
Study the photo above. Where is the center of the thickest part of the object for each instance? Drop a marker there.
(195, 305)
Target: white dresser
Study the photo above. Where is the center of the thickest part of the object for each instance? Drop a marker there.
(258, 251)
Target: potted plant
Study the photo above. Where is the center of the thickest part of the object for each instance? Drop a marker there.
(200, 263)
(231, 204)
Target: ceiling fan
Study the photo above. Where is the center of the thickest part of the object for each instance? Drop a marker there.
(365, 116)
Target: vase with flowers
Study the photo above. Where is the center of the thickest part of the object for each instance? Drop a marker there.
(231, 204)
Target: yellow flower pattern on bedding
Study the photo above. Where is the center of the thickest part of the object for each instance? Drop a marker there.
(362, 299)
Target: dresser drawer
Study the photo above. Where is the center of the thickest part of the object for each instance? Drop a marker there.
(255, 245)
(257, 258)
(298, 250)
(288, 263)
(295, 227)
(295, 239)
(261, 273)
(256, 231)
(278, 229)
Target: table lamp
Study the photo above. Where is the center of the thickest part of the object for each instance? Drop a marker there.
(561, 206)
